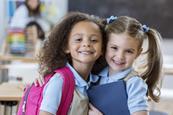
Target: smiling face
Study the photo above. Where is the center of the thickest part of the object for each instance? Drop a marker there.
(32, 34)
(121, 52)
(84, 43)
(33, 4)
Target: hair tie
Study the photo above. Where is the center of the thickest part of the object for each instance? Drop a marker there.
(145, 28)
(111, 19)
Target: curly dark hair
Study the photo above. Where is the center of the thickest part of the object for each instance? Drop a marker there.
(52, 55)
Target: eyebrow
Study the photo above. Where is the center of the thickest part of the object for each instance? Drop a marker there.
(131, 49)
(125, 48)
(79, 34)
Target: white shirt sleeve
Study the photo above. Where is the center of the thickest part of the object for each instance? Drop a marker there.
(52, 94)
(20, 17)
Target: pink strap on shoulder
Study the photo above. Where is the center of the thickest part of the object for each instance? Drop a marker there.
(67, 91)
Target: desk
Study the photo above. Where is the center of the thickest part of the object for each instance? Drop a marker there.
(7, 60)
(11, 91)
(20, 58)
(10, 94)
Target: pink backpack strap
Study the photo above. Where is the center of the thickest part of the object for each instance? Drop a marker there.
(67, 91)
(27, 91)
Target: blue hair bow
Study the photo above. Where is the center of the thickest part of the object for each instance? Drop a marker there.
(145, 28)
(111, 19)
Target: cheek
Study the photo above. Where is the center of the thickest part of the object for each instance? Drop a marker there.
(131, 60)
(108, 55)
(98, 47)
(67, 49)
(109, 52)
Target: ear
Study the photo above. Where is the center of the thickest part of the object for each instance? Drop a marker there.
(67, 51)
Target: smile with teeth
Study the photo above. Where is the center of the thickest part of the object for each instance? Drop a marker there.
(118, 62)
(86, 52)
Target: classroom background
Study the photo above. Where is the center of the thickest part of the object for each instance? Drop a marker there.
(17, 69)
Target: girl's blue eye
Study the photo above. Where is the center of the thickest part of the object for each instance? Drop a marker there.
(129, 51)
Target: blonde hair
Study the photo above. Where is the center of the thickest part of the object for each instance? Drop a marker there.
(134, 28)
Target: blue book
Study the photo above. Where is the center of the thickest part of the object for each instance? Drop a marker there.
(110, 99)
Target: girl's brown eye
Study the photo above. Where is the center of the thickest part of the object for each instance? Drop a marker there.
(78, 39)
(94, 40)
(114, 48)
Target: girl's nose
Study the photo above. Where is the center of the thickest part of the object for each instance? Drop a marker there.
(86, 43)
(120, 55)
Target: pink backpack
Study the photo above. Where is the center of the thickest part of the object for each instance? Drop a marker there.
(32, 97)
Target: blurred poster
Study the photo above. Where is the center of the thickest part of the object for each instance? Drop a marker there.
(12, 5)
(54, 9)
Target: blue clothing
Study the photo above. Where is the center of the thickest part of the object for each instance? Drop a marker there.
(136, 89)
(53, 90)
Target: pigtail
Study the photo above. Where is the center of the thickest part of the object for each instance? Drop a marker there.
(152, 74)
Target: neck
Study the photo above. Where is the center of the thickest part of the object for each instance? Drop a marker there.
(83, 69)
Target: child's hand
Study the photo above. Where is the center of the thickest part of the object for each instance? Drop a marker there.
(93, 110)
(39, 81)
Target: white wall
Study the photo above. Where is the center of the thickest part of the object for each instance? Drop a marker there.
(27, 71)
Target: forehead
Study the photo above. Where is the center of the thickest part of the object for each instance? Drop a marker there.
(86, 26)
(123, 40)
(32, 1)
